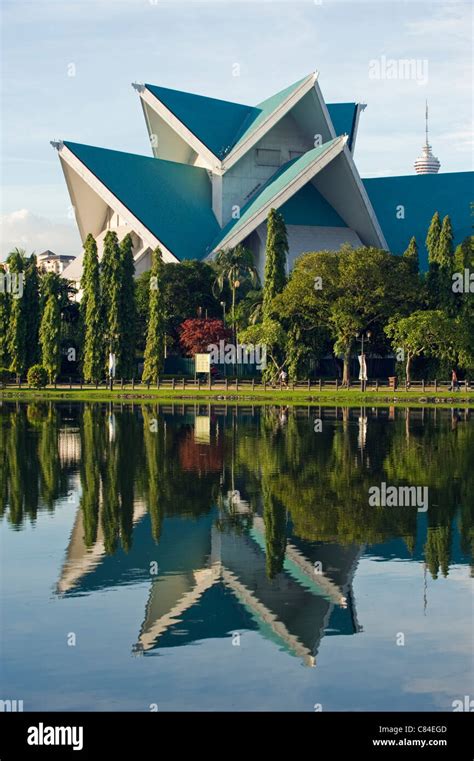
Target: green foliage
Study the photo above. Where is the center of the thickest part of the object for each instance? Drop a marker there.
(155, 340)
(91, 311)
(444, 254)
(126, 360)
(187, 292)
(50, 337)
(270, 334)
(249, 311)
(464, 255)
(5, 305)
(37, 376)
(16, 337)
(276, 253)
(330, 296)
(110, 287)
(234, 267)
(428, 332)
(432, 239)
(32, 311)
(411, 256)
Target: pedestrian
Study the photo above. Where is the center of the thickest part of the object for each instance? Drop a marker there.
(454, 381)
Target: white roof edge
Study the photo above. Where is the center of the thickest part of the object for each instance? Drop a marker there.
(179, 127)
(287, 192)
(359, 108)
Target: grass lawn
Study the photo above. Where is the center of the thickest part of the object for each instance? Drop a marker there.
(246, 394)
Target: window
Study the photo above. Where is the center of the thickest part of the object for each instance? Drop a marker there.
(267, 157)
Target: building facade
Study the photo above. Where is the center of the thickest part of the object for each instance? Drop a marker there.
(219, 167)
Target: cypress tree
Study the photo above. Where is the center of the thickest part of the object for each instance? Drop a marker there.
(411, 255)
(445, 245)
(50, 336)
(110, 288)
(128, 310)
(16, 340)
(276, 252)
(32, 311)
(4, 320)
(432, 238)
(92, 353)
(154, 349)
(464, 254)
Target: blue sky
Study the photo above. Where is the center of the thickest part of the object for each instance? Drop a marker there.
(195, 46)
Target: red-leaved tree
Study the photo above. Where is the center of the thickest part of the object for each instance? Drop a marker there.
(195, 335)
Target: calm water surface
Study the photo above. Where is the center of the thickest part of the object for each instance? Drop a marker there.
(198, 558)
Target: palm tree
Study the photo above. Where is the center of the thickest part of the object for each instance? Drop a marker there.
(234, 265)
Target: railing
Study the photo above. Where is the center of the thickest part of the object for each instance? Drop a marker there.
(245, 384)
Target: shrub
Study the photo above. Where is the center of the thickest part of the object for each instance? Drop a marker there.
(37, 376)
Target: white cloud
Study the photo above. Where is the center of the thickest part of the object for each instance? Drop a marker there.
(26, 230)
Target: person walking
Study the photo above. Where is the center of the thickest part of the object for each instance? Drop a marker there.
(454, 381)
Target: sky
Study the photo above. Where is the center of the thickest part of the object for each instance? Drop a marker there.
(67, 68)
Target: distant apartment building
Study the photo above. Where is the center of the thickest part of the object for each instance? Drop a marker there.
(48, 261)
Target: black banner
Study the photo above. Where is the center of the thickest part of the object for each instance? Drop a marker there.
(105, 735)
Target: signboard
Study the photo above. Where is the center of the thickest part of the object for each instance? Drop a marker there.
(202, 363)
(363, 368)
(112, 365)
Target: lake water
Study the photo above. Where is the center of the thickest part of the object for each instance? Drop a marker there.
(210, 558)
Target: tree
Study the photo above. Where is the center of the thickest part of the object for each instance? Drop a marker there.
(444, 254)
(4, 321)
(110, 289)
(128, 311)
(196, 335)
(331, 296)
(428, 332)
(50, 337)
(155, 339)
(373, 285)
(16, 341)
(92, 352)
(234, 266)
(32, 311)
(250, 309)
(432, 238)
(411, 255)
(270, 334)
(464, 255)
(276, 253)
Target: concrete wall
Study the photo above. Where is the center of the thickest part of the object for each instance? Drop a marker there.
(245, 177)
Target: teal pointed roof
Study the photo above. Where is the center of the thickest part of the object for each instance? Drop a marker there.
(220, 125)
(343, 117)
(309, 207)
(283, 177)
(264, 109)
(172, 200)
(215, 122)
